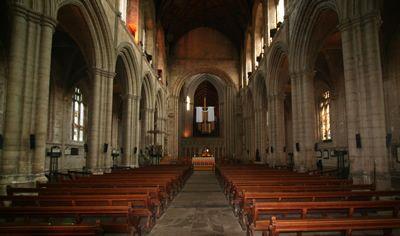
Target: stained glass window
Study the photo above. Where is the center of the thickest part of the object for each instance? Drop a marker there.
(187, 103)
(78, 115)
(324, 116)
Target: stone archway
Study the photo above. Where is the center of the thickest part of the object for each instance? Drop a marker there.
(190, 142)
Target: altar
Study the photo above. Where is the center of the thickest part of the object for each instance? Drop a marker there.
(205, 161)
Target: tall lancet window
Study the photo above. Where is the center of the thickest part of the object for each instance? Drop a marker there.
(123, 8)
(324, 116)
(78, 116)
(280, 11)
(187, 103)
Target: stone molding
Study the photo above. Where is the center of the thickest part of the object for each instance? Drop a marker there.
(295, 75)
(348, 23)
(102, 72)
(32, 16)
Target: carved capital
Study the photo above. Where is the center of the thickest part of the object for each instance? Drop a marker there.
(36, 17)
(103, 73)
(350, 22)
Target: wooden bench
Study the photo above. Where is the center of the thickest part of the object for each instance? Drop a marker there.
(166, 193)
(244, 205)
(53, 230)
(297, 188)
(141, 203)
(305, 208)
(346, 225)
(234, 184)
(157, 199)
(242, 208)
(78, 214)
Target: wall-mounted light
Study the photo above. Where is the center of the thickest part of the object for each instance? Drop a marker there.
(132, 28)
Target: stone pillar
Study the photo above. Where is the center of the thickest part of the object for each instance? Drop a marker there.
(100, 115)
(277, 129)
(135, 106)
(365, 99)
(27, 96)
(173, 129)
(14, 101)
(108, 78)
(42, 100)
(93, 116)
(304, 123)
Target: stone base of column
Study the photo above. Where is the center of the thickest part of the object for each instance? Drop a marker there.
(96, 171)
(20, 181)
(383, 179)
(41, 178)
(300, 168)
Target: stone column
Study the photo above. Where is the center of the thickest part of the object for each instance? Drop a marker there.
(304, 123)
(173, 129)
(13, 116)
(135, 106)
(100, 109)
(108, 78)
(277, 129)
(365, 99)
(42, 100)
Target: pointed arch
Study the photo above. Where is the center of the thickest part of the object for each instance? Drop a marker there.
(278, 54)
(102, 55)
(304, 23)
(126, 52)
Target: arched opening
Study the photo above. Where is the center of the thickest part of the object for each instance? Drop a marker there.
(148, 29)
(248, 60)
(200, 115)
(390, 44)
(161, 56)
(259, 33)
(119, 112)
(261, 119)
(206, 97)
(159, 122)
(287, 113)
(329, 88)
(70, 91)
(143, 120)
(5, 23)
(249, 128)
(276, 13)
(280, 128)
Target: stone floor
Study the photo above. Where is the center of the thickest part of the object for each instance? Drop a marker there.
(200, 209)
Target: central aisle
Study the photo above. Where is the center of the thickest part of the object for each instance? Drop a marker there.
(200, 209)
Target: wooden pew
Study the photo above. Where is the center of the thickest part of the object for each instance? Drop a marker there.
(141, 203)
(51, 230)
(305, 208)
(78, 214)
(346, 225)
(283, 181)
(244, 205)
(156, 197)
(166, 193)
(234, 197)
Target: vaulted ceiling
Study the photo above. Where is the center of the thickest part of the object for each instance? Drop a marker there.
(230, 17)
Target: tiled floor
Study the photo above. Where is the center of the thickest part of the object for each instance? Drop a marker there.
(200, 209)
